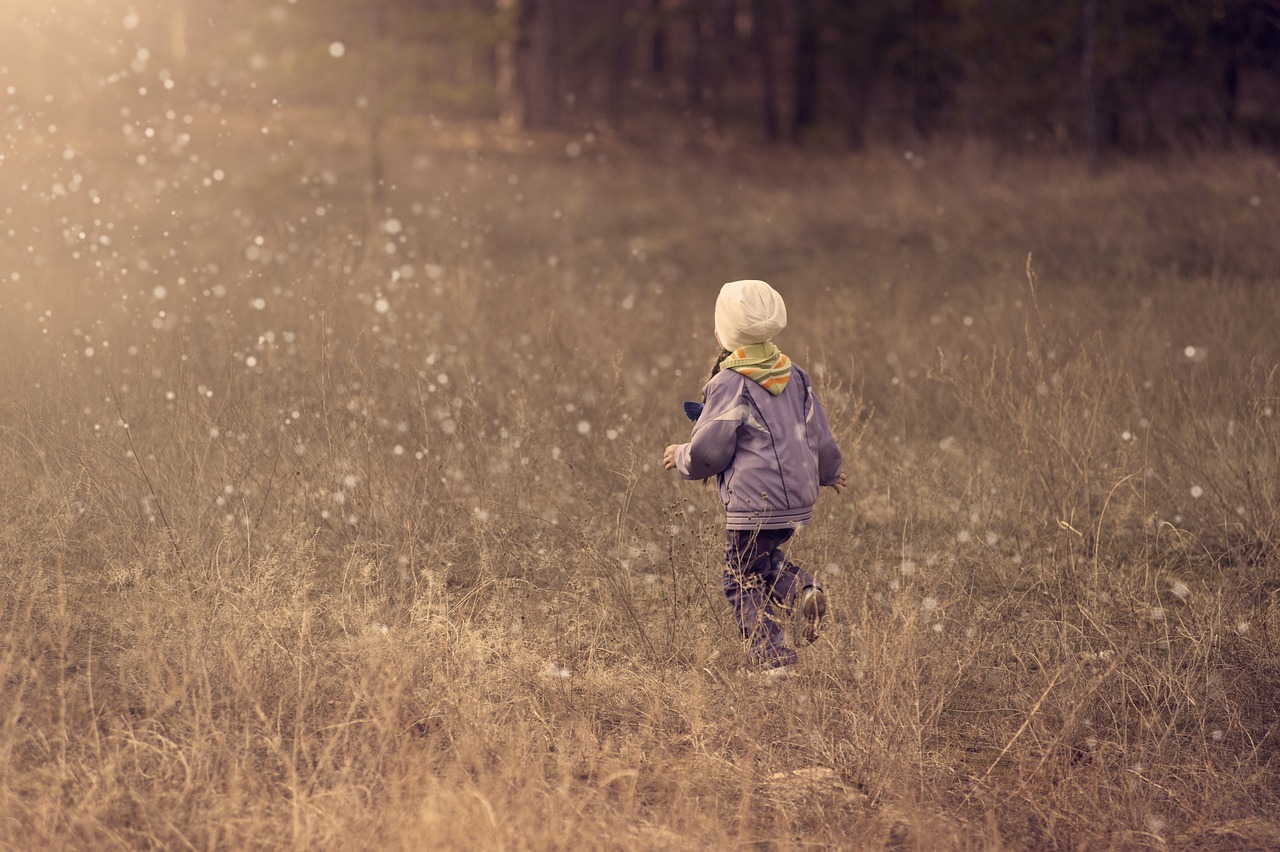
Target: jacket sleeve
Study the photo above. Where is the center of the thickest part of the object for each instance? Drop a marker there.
(715, 436)
(829, 458)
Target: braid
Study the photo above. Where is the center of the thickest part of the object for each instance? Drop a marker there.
(715, 368)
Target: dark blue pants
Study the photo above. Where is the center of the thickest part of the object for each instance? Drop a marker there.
(762, 586)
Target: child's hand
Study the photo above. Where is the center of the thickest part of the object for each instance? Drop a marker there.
(840, 483)
(669, 457)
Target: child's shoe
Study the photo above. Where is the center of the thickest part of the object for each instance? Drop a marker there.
(811, 608)
(779, 672)
(771, 673)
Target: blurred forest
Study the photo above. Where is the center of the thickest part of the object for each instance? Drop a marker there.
(1078, 75)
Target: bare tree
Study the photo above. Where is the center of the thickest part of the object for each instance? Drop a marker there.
(512, 113)
(528, 75)
(621, 58)
(805, 79)
(762, 21)
(1089, 84)
(698, 51)
(657, 40)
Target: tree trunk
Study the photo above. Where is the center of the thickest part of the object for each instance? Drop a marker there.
(658, 41)
(1089, 84)
(859, 89)
(865, 36)
(805, 68)
(929, 92)
(1228, 32)
(698, 58)
(620, 62)
(726, 22)
(541, 70)
(512, 103)
(1230, 98)
(762, 37)
(724, 19)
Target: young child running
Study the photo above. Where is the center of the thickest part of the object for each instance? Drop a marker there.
(764, 435)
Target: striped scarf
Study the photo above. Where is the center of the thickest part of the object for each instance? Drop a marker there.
(763, 363)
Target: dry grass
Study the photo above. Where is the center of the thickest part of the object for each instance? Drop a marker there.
(364, 541)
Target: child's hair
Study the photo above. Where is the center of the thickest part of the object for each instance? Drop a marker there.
(715, 368)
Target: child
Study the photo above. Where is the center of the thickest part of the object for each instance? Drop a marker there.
(763, 434)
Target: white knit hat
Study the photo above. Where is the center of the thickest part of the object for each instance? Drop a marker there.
(748, 312)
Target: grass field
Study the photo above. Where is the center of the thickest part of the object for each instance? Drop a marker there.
(336, 521)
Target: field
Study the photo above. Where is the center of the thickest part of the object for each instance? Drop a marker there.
(335, 519)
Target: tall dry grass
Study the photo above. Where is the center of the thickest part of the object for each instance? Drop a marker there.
(354, 534)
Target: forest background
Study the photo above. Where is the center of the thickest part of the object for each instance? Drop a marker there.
(1080, 75)
(339, 343)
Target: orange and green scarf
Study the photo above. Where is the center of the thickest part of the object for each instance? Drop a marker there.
(763, 363)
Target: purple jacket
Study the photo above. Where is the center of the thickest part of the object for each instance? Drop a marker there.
(771, 453)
